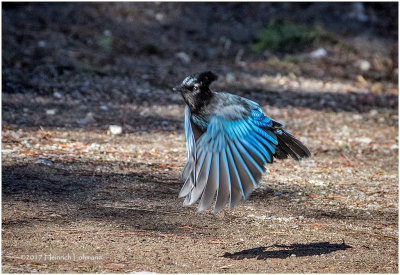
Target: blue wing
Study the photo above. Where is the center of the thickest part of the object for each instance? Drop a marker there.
(226, 162)
(189, 171)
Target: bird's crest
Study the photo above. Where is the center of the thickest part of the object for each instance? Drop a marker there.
(206, 78)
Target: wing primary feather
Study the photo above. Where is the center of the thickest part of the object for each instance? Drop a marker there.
(200, 164)
(256, 168)
(211, 187)
(199, 151)
(244, 171)
(271, 154)
(271, 134)
(265, 142)
(261, 148)
(301, 149)
(186, 188)
(201, 179)
(224, 184)
(267, 134)
(287, 149)
(248, 156)
(235, 170)
(251, 146)
(232, 188)
(189, 175)
(189, 136)
(187, 169)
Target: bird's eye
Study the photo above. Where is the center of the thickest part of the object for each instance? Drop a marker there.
(195, 88)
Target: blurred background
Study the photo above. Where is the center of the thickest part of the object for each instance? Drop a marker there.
(93, 142)
(135, 52)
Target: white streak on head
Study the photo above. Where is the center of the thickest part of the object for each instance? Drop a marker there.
(188, 80)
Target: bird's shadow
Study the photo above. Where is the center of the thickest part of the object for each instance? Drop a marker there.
(285, 251)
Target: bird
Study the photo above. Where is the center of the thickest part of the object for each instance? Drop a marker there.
(228, 141)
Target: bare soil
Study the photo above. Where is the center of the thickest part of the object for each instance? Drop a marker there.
(76, 198)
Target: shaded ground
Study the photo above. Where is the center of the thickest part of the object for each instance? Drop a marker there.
(76, 199)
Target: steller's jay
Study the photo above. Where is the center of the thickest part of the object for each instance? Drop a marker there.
(228, 141)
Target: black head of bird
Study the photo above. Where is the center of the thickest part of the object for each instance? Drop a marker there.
(195, 89)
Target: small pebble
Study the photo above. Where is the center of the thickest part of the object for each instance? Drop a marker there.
(363, 64)
(104, 107)
(57, 95)
(42, 44)
(184, 57)
(364, 140)
(321, 52)
(51, 112)
(114, 130)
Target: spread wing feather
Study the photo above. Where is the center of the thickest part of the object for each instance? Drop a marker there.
(226, 162)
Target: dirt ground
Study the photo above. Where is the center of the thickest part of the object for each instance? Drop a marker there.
(76, 198)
